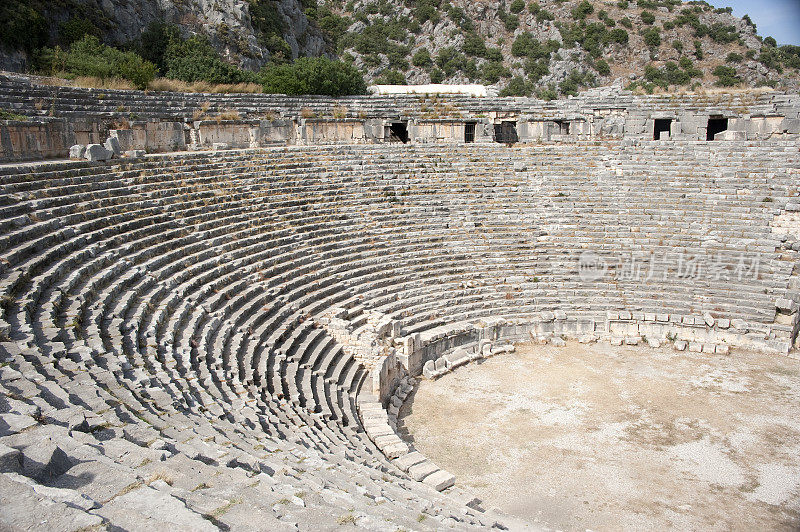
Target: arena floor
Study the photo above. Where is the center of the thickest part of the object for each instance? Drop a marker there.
(607, 438)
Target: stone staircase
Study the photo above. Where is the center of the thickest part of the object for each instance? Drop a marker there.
(165, 356)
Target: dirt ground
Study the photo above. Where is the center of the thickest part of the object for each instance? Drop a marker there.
(609, 438)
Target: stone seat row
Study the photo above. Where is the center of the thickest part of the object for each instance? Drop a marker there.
(202, 300)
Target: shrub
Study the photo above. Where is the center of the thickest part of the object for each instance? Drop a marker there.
(648, 17)
(733, 57)
(602, 67)
(543, 15)
(391, 77)
(517, 6)
(547, 94)
(652, 38)
(461, 19)
(698, 50)
(511, 22)
(332, 25)
(583, 9)
(422, 58)
(536, 70)
(678, 45)
(517, 87)
(450, 60)
(492, 72)
(437, 76)
(494, 54)
(625, 21)
(194, 59)
(672, 73)
(526, 45)
(574, 81)
(617, 35)
(89, 57)
(726, 76)
(722, 33)
(770, 41)
(474, 45)
(426, 10)
(313, 75)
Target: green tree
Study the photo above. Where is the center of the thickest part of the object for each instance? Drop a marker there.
(726, 76)
(313, 75)
(422, 58)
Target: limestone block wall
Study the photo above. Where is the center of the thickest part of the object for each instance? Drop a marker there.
(21, 140)
(151, 136)
(336, 130)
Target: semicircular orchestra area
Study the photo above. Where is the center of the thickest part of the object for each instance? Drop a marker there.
(602, 437)
(214, 338)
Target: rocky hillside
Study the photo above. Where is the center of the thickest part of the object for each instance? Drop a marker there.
(245, 32)
(556, 46)
(549, 48)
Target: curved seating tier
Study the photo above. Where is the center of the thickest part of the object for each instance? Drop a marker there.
(26, 95)
(165, 314)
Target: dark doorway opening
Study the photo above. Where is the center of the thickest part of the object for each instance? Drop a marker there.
(661, 128)
(506, 133)
(398, 132)
(469, 132)
(563, 127)
(716, 125)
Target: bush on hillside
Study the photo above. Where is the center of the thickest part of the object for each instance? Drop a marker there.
(89, 57)
(194, 59)
(313, 75)
(652, 37)
(726, 76)
(517, 87)
(517, 6)
(422, 58)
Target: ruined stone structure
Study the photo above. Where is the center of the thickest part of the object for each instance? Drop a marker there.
(213, 338)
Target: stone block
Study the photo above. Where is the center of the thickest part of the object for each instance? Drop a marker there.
(135, 154)
(407, 460)
(77, 151)
(96, 152)
(632, 340)
(786, 305)
(219, 146)
(723, 323)
(722, 349)
(10, 459)
(695, 347)
(429, 369)
(112, 145)
(421, 470)
(440, 480)
(680, 345)
(709, 319)
(557, 341)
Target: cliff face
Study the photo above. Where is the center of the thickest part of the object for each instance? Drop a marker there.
(227, 23)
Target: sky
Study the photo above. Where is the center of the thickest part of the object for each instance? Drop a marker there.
(778, 18)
